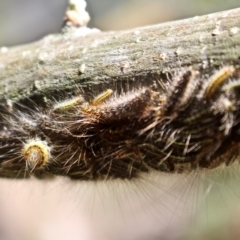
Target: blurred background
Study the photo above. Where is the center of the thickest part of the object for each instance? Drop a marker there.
(23, 21)
(197, 206)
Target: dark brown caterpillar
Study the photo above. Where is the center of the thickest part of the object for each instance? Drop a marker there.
(194, 124)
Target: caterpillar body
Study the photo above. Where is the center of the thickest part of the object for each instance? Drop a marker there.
(192, 124)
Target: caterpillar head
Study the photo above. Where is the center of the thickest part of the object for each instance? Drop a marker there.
(36, 153)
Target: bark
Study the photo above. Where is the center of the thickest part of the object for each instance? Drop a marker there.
(69, 61)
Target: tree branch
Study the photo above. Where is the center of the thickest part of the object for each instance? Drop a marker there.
(59, 62)
(154, 126)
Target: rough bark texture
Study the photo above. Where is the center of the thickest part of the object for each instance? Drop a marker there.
(56, 63)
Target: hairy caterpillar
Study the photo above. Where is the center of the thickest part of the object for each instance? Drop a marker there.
(192, 124)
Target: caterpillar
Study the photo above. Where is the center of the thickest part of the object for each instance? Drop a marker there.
(192, 124)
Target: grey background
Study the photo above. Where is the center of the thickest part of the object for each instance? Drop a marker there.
(23, 21)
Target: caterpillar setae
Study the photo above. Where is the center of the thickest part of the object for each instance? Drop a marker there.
(192, 124)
